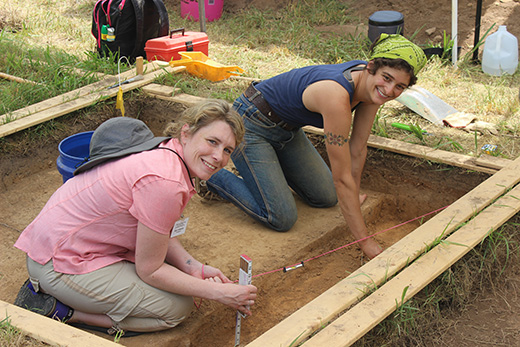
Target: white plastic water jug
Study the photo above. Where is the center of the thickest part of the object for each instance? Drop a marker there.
(500, 53)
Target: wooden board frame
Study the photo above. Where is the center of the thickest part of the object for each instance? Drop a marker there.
(77, 99)
(326, 307)
(310, 318)
(73, 94)
(376, 307)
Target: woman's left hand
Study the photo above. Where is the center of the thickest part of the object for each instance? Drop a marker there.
(213, 274)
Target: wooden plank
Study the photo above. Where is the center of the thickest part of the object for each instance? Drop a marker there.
(59, 99)
(376, 307)
(348, 291)
(50, 330)
(154, 89)
(391, 145)
(496, 163)
(482, 164)
(419, 151)
(74, 94)
(79, 103)
(186, 99)
(161, 97)
(428, 153)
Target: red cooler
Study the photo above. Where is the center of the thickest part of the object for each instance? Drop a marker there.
(167, 48)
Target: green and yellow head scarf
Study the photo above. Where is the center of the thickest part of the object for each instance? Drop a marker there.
(398, 47)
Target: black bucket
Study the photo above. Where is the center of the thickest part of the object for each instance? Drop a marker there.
(389, 22)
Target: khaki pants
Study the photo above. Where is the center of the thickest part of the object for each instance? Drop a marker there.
(115, 291)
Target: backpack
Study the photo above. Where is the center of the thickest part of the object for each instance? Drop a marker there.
(122, 27)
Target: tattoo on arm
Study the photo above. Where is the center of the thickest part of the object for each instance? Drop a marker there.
(334, 139)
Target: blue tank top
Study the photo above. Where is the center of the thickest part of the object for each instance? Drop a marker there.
(284, 92)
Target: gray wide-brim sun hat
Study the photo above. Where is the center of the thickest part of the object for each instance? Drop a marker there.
(118, 137)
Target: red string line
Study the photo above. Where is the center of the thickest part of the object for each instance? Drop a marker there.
(331, 251)
(352, 243)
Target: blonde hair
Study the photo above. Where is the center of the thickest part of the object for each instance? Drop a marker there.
(205, 113)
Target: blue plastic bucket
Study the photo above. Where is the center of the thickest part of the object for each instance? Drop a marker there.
(73, 151)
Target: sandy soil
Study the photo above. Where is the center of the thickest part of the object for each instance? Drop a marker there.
(399, 189)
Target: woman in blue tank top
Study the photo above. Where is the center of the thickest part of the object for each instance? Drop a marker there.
(277, 156)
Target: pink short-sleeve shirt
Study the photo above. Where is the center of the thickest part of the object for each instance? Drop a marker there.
(91, 221)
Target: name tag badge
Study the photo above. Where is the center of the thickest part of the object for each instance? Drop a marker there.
(180, 227)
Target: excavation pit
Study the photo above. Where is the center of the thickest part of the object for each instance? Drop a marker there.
(399, 188)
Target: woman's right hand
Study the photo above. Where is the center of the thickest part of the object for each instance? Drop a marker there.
(371, 248)
(239, 297)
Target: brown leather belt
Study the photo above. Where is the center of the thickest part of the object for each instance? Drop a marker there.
(265, 109)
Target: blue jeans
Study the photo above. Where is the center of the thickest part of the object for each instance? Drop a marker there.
(272, 161)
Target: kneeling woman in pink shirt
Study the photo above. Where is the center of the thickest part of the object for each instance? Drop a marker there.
(104, 252)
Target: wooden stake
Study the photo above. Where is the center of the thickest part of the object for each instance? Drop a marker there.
(139, 66)
(202, 15)
(17, 79)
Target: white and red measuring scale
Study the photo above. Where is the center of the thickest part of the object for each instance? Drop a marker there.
(245, 276)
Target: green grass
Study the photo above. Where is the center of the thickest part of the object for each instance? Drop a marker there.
(49, 68)
(10, 336)
(380, 125)
(294, 28)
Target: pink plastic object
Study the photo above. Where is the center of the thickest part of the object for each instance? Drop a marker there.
(213, 9)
